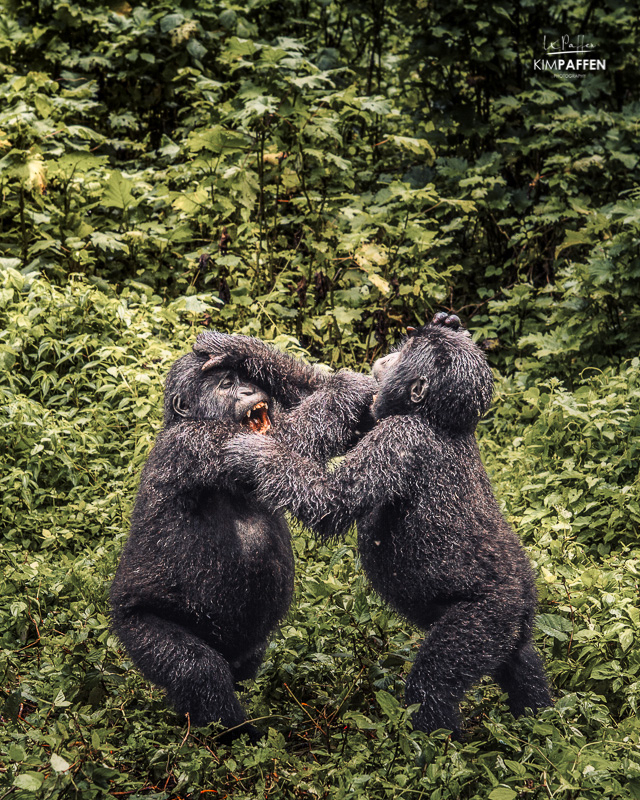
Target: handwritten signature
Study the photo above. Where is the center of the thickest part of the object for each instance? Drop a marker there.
(564, 45)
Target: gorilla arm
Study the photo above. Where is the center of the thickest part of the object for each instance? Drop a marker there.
(322, 411)
(326, 423)
(285, 378)
(385, 466)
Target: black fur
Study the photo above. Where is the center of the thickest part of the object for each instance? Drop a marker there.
(207, 572)
(430, 533)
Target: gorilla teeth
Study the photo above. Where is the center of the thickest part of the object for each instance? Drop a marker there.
(257, 418)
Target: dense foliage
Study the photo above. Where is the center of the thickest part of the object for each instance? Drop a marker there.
(319, 175)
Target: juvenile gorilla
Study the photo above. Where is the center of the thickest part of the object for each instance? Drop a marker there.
(207, 571)
(430, 533)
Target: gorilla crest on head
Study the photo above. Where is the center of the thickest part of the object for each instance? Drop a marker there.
(436, 371)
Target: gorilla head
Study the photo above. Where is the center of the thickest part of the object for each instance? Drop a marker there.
(438, 372)
(197, 389)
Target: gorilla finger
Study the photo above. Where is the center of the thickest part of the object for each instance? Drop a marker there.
(452, 321)
(215, 361)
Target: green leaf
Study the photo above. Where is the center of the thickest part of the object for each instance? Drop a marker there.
(196, 49)
(573, 238)
(345, 316)
(417, 146)
(554, 625)
(502, 793)
(194, 305)
(10, 263)
(228, 19)
(43, 105)
(626, 638)
(193, 201)
(360, 721)
(31, 781)
(387, 703)
(170, 22)
(117, 191)
(217, 139)
(16, 753)
(58, 763)
(109, 241)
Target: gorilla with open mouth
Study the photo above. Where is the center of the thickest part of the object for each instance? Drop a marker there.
(207, 571)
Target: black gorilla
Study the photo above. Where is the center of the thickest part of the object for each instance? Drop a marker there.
(207, 571)
(430, 533)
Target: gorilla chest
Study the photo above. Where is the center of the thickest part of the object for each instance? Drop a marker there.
(242, 550)
(259, 539)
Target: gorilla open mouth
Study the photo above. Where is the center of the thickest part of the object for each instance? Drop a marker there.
(257, 418)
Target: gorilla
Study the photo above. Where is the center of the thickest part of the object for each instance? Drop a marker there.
(431, 537)
(207, 571)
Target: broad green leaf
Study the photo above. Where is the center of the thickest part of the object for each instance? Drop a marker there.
(217, 140)
(360, 721)
(10, 263)
(345, 316)
(31, 781)
(502, 793)
(195, 306)
(417, 146)
(109, 241)
(554, 625)
(387, 703)
(380, 283)
(573, 238)
(196, 49)
(117, 191)
(43, 105)
(16, 753)
(58, 763)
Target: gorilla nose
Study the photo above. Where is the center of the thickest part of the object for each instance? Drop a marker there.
(249, 391)
(382, 365)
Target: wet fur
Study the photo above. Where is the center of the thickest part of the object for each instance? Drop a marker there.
(431, 536)
(207, 571)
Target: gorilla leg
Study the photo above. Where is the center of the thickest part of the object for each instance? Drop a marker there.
(197, 679)
(468, 641)
(522, 676)
(246, 668)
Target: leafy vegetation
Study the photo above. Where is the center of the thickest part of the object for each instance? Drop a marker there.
(319, 175)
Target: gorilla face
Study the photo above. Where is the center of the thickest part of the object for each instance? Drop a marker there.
(214, 394)
(226, 396)
(382, 365)
(396, 383)
(438, 372)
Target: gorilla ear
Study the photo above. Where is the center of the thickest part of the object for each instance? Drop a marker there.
(418, 390)
(178, 406)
